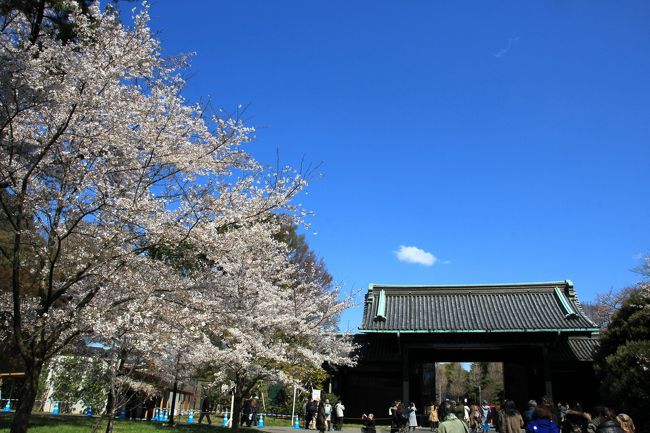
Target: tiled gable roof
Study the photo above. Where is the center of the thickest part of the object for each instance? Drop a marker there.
(576, 349)
(522, 307)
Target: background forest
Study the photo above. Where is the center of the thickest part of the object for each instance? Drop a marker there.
(483, 381)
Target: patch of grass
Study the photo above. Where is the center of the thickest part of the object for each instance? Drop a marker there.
(47, 423)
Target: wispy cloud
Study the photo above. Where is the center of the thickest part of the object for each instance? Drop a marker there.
(502, 52)
(415, 255)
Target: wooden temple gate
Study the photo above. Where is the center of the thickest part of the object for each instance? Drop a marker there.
(537, 330)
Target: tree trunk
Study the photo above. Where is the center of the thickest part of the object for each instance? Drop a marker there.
(116, 366)
(110, 409)
(235, 416)
(173, 408)
(38, 21)
(109, 424)
(27, 397)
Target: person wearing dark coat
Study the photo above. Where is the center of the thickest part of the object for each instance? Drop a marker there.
(246, 414)
(529, 413)
(368, 422)
(254, 404)
(205, 410)
(321, 417)
(395, 417)
(610, 426)
(311, 407)
(608, 422)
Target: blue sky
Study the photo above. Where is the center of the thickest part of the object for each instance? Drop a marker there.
(509, 140)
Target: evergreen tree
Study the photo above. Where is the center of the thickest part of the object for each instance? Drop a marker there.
(623, 360)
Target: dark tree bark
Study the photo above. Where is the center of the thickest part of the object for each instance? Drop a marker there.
(173, 408)
(25, 405)
(110, 409)
(38, 21)
(236, 409)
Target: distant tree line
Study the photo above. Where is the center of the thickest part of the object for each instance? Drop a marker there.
(483, 381)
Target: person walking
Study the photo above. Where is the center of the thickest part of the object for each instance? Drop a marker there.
(542, 421)
(510, 419)
(433, 417)
(246, 413)
(395, 416)
(205, 410)
(305, 405)
(413, 419)
(321, 422)
(403, 417)
(328, 414)
(310, 412)
(529, 413)
(485, 412)
(339, 410)
(475, 418)
(450, 422)
(254, 407)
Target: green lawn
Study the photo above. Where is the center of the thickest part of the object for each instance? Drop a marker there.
(46, 423)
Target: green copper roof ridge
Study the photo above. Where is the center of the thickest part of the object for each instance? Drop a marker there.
(535, 283)
(381, 305)
(564, 302)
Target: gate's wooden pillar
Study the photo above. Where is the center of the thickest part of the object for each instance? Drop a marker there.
(405, 374)
(515, 381)
(548, 380)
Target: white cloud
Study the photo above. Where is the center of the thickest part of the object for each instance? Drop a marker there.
(502, 52)
(415, 255)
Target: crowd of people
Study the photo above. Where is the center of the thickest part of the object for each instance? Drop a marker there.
(321, 415)
(461, 417)
(402, 417)
(539, 417)
(248, 412)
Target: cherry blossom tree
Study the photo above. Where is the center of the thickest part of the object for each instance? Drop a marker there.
(101, 161)
(261, 323)
(142, 337)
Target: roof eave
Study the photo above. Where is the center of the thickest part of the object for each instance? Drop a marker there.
(467, 331)
(524, 284)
